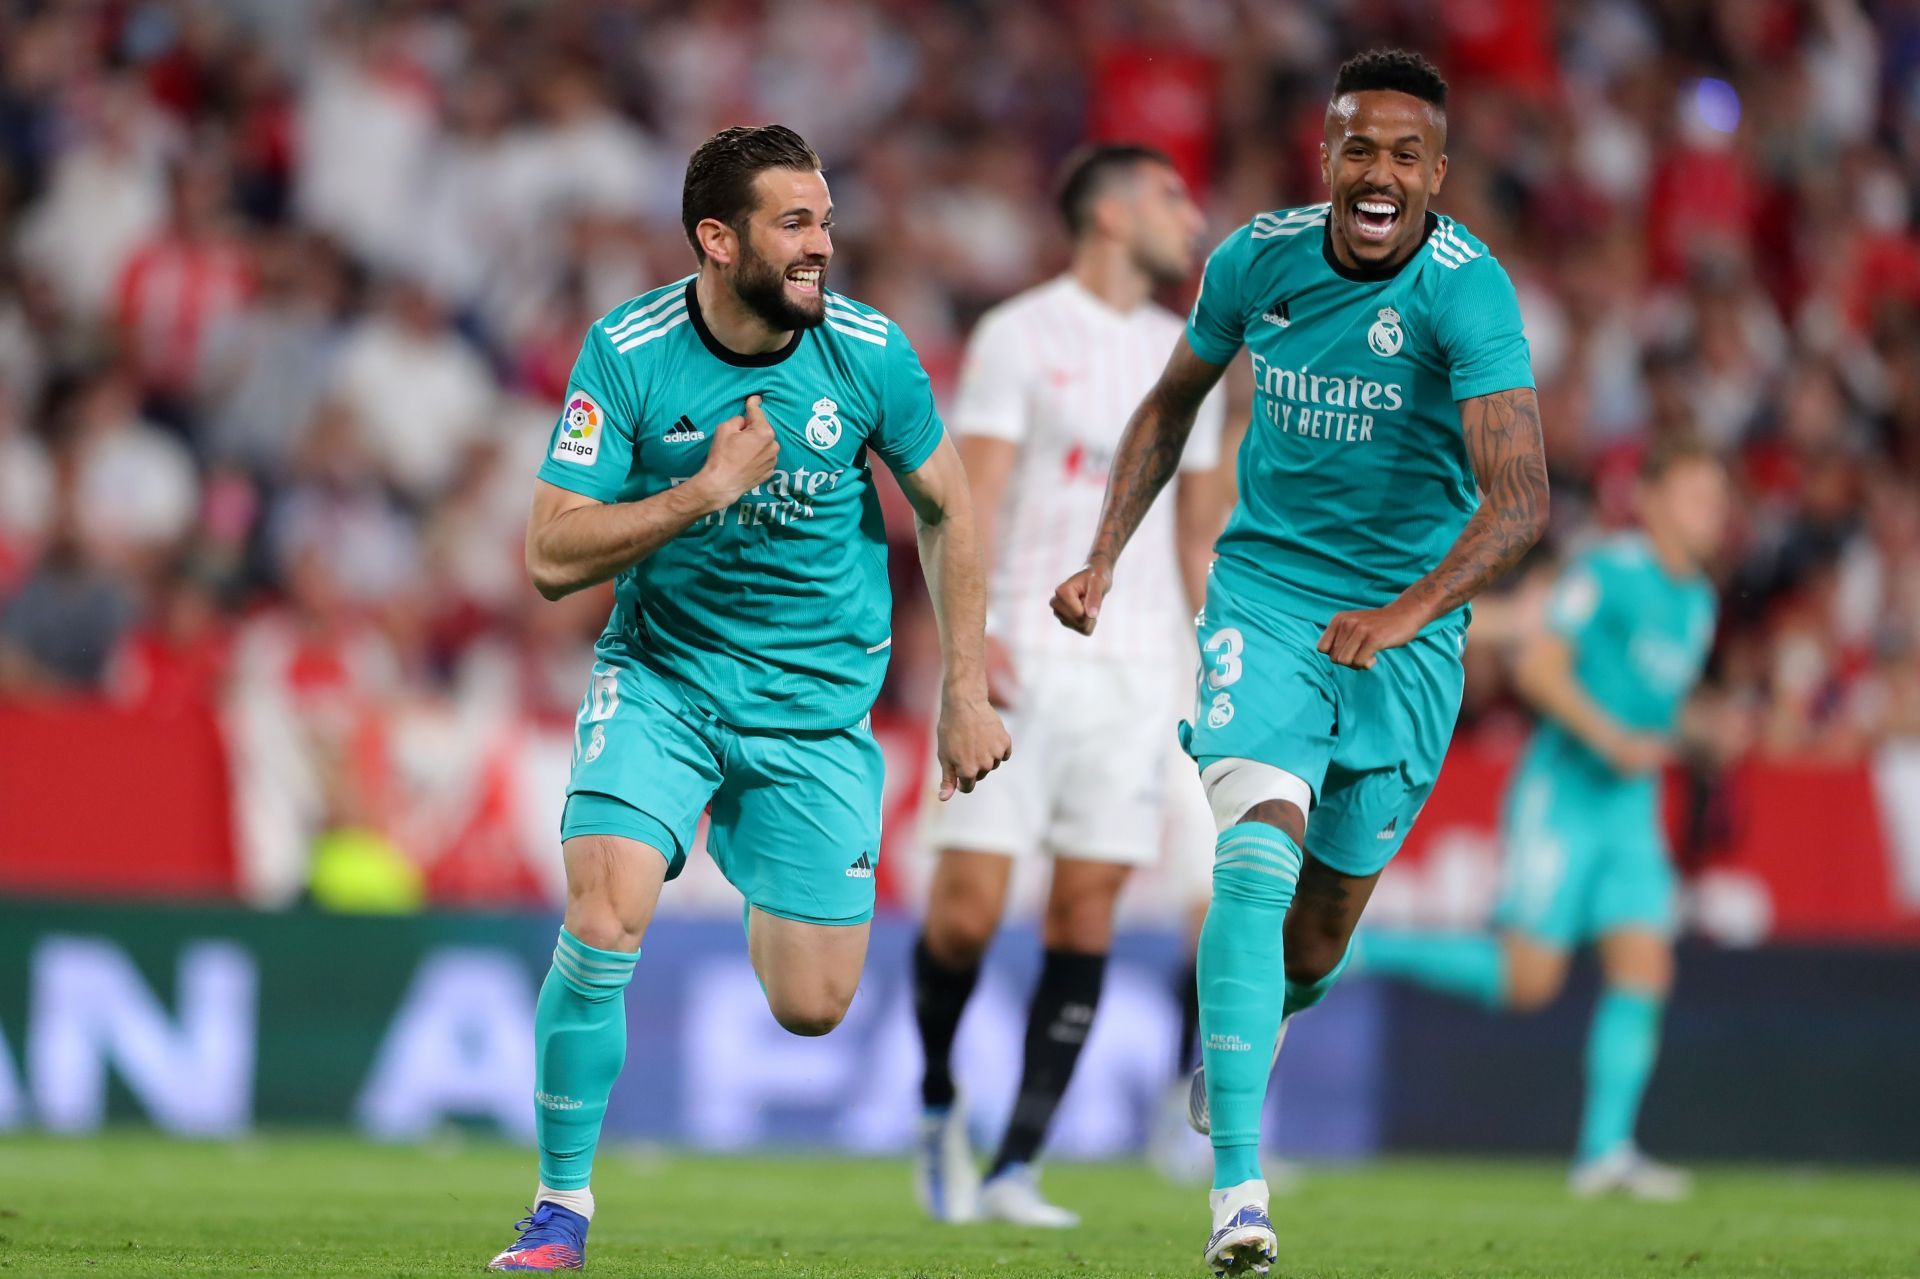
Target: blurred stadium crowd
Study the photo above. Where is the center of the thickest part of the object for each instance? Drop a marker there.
(290, 290)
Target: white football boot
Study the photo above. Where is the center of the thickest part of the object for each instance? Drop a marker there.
(1242, 1242)
(1173, 1149)
(944, 1174)
(1629, 1172)
(1013, 1195)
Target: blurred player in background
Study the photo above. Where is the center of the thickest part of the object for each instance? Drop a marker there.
(1627, 633)
(711, 459)
(1050, 378)
(1390, 375)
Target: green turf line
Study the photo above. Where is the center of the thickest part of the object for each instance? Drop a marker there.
(136, 1205)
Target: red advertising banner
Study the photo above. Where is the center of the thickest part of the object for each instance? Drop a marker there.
(100, 801)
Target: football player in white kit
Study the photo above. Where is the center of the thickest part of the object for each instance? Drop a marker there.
(1099, 782)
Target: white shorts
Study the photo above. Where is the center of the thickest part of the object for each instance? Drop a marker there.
(1097, 771)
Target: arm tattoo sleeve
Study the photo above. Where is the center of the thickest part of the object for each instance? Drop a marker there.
(1509, 460)
(1149, 452)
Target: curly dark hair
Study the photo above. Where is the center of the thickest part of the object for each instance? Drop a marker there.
(720, 174)
(1399, 70)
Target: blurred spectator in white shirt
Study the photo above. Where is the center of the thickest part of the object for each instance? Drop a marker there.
(106, 196)
(137, 486)
(366, 124)
(417, 392)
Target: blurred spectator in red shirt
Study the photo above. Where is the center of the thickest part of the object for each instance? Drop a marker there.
(185, 282)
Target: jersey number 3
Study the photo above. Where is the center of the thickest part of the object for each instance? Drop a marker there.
(1223, 650)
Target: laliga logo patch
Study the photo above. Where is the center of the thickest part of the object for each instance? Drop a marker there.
(1220, 714)
(578, 439)
(1385, 337)
(823, 428)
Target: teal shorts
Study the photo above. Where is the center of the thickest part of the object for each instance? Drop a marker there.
(1582, 857)
(795, 816)
(1369, 743)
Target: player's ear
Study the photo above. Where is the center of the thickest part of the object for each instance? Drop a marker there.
(1439, 175)
(721, 242)
(1326, 166)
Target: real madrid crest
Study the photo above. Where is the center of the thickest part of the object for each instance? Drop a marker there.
(1385, 336)
(823, 428)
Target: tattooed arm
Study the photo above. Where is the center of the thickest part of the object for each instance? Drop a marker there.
(1148, 457)
(1509, 461)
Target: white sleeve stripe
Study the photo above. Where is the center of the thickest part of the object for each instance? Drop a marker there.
(1292, 228)
(639, 319)
(841, 311)
(1455, 243)
(863, 334)
(1293, 215)
(1446, 256)
(679, 319)
(1306, 210)
(651, 324)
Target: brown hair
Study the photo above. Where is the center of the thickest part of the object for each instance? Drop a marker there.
(1667, 452)
(720, 174)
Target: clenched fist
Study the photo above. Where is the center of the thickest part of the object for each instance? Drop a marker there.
(742, 455)
(1076, 602)
(1355, 638)
(970, 741)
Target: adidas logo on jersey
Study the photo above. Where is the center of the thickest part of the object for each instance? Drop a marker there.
(1276, 315)
(862, 868)
(1391, 829)
(683, 432)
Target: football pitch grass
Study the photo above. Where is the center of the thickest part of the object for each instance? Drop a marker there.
(131, 1204)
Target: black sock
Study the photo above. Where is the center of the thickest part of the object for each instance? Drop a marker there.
(940, 995)
(1058, 1020)
(1189, 993)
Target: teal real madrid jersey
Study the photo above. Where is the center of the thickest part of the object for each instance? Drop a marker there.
(775, 612)
(1354, 477)
(1639, 638)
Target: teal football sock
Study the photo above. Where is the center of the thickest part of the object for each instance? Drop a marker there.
(580, 1042)
(1241, 962)
(1621, 1046)
(1468, 965)
(1304, 995)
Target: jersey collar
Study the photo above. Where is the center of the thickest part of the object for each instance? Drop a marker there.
(1359, 273)
(720, 351)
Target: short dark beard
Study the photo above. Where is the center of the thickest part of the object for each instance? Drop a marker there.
(762, 287)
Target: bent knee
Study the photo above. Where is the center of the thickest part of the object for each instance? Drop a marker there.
(1312, 959)
(596, 922)
(1532, 992)
(812, 1005)
(810, 1015)
(958, 933)
(1081, 920)
(1534, 977)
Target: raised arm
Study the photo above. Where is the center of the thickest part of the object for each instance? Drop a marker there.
(1509, 461)
(1149, 455)
(970, 739)
(574, 541)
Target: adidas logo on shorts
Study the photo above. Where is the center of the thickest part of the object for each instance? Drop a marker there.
(861, 869)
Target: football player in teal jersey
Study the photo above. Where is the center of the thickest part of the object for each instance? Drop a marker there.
(714, 458)
(1628, 629)
(1393, 468)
